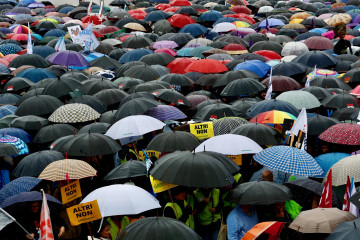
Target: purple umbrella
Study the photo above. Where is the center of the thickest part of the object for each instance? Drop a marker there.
(242, 31)
(165, 112)
(164, 44)
(68, 58)
(36, 5)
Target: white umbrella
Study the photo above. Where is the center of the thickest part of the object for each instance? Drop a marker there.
(224, 27)
(230, 144)
(120, 199)
(294, 48)
(131, 128)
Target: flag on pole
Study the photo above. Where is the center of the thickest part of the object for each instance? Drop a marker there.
(310, 76)
(326, 196)
(353, 209)
(269, 91)
(29, 45)
(300, 125)
(46, 232)
(90, 7)
(148, 163)
(346, 202)
(4, 219)
(101, 9)
(60, 45)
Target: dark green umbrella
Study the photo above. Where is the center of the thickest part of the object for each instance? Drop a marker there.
(171, 96)
(87, 145)
(341, 101)
(158, 228)
(157, 58)
(145, 73)
(29, 59)
(111, 96)
(6, 120)
(177, 79)
(192, 170)
(260, 193)
(105, 63)
(96, 127)
(173, 141)
(61, 87)
(241, 87)
(8, 150)
(129, 169)
(233, 75)
(52, 132)
(260, 133)
(162, 27)
(17, 83)
(125, 83)
(136, 106)
(319, 123)
(38, 105)
(32, 165)
(29, 94)
(215, 111)
(93, 86)
(29, 122)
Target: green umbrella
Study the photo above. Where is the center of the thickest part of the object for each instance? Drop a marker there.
(300, 99)
(38, 105)
(6, 120)
(111, 96)
(173, 141)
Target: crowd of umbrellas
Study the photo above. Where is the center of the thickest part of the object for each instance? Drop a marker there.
(156, 76)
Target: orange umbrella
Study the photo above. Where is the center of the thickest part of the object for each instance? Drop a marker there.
(272, 229)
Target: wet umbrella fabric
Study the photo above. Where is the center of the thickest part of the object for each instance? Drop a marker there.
(173, 141)
(7, 150)
(129, 169)
(22, 184)
(52, 132)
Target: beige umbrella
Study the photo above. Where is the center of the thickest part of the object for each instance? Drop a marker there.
(74, 113)
(135, 26)
(320, 220)
(22, 68)
(92, 70)
(348, 166)
(338, 18)
(294, 26)
(300, 15)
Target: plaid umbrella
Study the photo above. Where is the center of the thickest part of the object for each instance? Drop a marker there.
(342, 133)
(21, 184)
(227, 124)
(290, 160)
(7, 110)
(18, 143)
(73, 113)
(76, 169)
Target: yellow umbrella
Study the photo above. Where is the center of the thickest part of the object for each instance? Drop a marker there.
(241, 24)
(49, 20)
(296, 20)
(135, 26)
(300, 15)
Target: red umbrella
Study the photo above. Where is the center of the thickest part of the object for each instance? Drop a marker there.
(179, 64)
(272, 30)
(241, 9)
(171, 9)
(98, 34)
(319, 43)
(135, 11)
(123, 38)
(180, 3)
(234, 47)
(268, 54)
(20, 37)
(243, 15)
(282, 83)
(167, 50)
(180, 20)
(108, 29)
(162, 6)
(139, 15)
(206, 66)
(342, 133)
(92, 19)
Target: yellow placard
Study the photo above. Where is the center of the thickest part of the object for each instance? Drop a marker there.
(70, 192)
(236, 158)
(202, 130)
(150, 154)
(160, 186)
(83, 213)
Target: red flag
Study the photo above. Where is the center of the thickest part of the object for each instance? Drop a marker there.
(326, 196)
(45, 223)
(346, 202)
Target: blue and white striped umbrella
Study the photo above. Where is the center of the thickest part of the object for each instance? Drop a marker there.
(21, 184)
(290, 160)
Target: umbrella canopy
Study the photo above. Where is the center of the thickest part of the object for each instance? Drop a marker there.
(119, 199)
(38, 105)
(260, 193)
(192, 170)
(129, 169)
(299, 99)
(52, 132)
(343, 168)
(21, 184)
(173, 141)
(158, 228)
(272, 117)
(243, 87)
(73, 113)
(320, 220)
(16, 142)
(227, 124)
(8, 149)
(342, 133)
(270, 228)
(29, 122)
(327, 160)
(290, 160)
(346, 230)
(75, 169)
(68, 58)
(318, 124)
(272, 104)
(165, 112)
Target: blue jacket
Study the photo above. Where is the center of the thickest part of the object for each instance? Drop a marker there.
(238, 223)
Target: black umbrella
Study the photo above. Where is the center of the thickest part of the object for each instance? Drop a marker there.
(52, 132)
(111, 96)
(29, 122)
(254, 38)
(108, 117)
(87, 145)
(61, 87)
(17, 83)
(289, 69)
(345, 114)
(270, 105)
(179, 38)
(260, 133)
(145, 73)
(39, 105)
(319, 58)
(29, 59)
(208, 80)
(242, 105)
(251, 56)
(158, 228)
(80, 76)
(231, 39)
(215, 111)
(171, 96)
(173, 141)
(32, 165)
(9, 99)
(341, 101)
(233, 75)
(147, 87)
(135, 106)
(91, 101)
(192, 170)
(137, 42)
(105, 63)
(162, 27)
(319, 123)
(162, 59)
(352, 76)
(126, 83)
(203, 92)
(93, 86)
(318, 92)
(129, 169)
(242, 87)
(329, 82)
(96, 127)
(104, 48)
(8, 150)
(260, 193)
(229, 164)
(266, 45)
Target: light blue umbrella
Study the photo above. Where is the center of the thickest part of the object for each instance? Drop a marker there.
(327, 160)
(21, 184)
(258, 67)
(271, 22)
(7, 110)
(290, 160)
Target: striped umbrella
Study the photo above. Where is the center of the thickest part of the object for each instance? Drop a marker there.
(272, 117)
(21, 184)
(76, 169)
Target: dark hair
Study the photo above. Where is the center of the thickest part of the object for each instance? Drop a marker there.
(95, 226)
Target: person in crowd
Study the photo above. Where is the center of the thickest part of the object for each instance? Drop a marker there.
(240, 220)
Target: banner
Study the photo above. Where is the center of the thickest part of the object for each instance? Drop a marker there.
(74, 32)
(236, 158)
(202, 130)
(70, 192)
(150, 154)
(83, 213)
(85, 38)
(160, 186)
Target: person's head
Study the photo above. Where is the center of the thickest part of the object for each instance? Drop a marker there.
(179, 193)
(267, 175)
(105, 230)
(35, 206)
(340, 30)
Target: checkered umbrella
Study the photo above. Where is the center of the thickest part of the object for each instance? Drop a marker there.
(289, 160)
(227, 124)
(21, 184)
(76, 169)
(74, 113)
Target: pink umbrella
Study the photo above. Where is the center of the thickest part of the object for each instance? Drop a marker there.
(164, 44)
(51, 14)
(242, 31)
(167, 50)
(326, 15)
(330, 34)
(356, 91)
(67, 19)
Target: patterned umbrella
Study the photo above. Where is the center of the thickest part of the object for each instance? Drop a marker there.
(272, 117)
(339, 18)
(300, 99)
(290, 160)
(9, 48)
(342, 133)
(17, 132)
(21, 184)
(18, 143)
(227, 124)
(76, 169)
(165, 112)
(73, 113)
(7, 110)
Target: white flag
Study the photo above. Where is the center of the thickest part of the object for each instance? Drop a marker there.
(60, 45)
(269, 91)
(90, 7)
(300, 125)
(46, 232)
(308, 78)
(29, 45)
(353, 209)
(5, 219)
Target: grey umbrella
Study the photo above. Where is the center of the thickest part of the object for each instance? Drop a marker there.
(7, 149)
(129, 169)
(52, 132)
(29, 122)
(96, 127)
(173, 141)
(346, 231)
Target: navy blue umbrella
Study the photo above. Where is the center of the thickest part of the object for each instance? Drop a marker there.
(17, 132)
(43, 51)
(36, 74)
(55, 33)
(7, 110)
(270, 105)
(318, 58)
(9, 48)
(134, 55)
(9, 98)
(165, 112)
(211, 16)
(194, 29)
(156, 16)
(21, 184)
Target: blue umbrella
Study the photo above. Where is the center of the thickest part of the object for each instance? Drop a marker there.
(55, 33)
(156, 16)
(134, 55)
(17, 132)
(350, 7)
(24, 16)
(4, 69)
(9, 98)
(197, 52)
(211, 35)
(194, 29)
(225, 19)
(5, 30)
(290, 160)
(211, 16)
(18, 143)
(346, 231)
(279, 176)
(21, 184)
(165, 112)
(9, 48)
(258, 67)
(271, 22)
(91, 55)
(270, 105)
(7, 110)
(327, 160)
(66, 9)
(319, 30)
(27, 1)
(35, 74)
(37, 36)
(185, 52)
(43, 51)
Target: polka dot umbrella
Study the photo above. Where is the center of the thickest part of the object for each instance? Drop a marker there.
(342, 133)
(9, 48)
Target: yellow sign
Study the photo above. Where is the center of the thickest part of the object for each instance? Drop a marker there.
(150, 154)
(83, 213)
(70, 192)
(202, 130)
(160, 186)
(236, 158)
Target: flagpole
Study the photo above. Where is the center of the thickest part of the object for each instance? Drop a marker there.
(14, 220)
